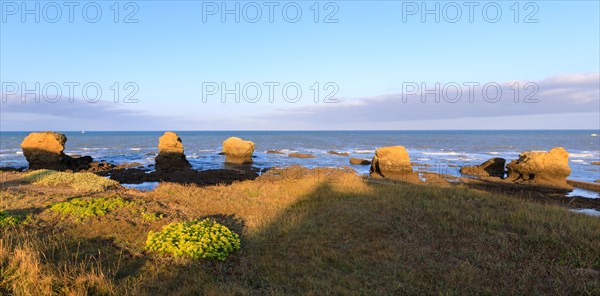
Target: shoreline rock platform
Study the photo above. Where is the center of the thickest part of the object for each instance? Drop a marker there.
(539, 171)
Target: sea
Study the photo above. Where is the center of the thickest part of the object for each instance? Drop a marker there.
(437, 151)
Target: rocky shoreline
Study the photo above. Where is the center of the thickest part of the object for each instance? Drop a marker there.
(534, 173)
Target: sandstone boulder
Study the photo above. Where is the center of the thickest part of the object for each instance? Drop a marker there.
(544, 168)
(493, 167)
(301, 155)
(338, 153)
(45, 150)
(359, 161)
(394, 163)
(170, 153)
(237, 150)
(274, 152)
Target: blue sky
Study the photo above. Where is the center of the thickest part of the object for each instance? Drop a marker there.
(370, 53)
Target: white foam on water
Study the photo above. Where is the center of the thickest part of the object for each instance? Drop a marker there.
(577, 160)
(590, 212)
(441, 153)
(493, 153)
(19, 152)
(358, 151)
(581, 155)
(135, 149)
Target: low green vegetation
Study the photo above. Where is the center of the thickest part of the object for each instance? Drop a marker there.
(79, 208)
(85, 181)
(151, 216)
(196, 239)
(8, 220)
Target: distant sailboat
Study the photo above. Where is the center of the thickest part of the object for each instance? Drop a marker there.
(83, 132)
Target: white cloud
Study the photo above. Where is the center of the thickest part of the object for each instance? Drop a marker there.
(570, 94)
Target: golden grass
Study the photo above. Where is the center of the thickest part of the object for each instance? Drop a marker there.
(84, 181)
(27, 269)
(307, 236)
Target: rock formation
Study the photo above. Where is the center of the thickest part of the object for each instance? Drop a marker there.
(274, 152)
(544, 168)
(394, 163)
(45, 150)
(338, 153)
(170, 153)
(237, 150)
(301, 155)
(359, 161)
(493, 167)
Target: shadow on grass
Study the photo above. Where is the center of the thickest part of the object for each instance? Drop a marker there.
(402, 240)
(392, 239)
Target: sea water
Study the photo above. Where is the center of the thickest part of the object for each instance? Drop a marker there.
(442, 151)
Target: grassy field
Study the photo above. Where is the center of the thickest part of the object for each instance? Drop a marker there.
(303, 235)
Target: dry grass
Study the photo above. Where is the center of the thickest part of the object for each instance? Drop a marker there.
(83, 182)
(31, 265)
(305, 236)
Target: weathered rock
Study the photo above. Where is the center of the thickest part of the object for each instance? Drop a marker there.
(274, 152)
(170, 153)
(359, 161)
(596, 162)
(585, 185)
(493, 167)
(237, 150)
(394, 163)
(80, 163)
(338, 153)
(99, 166)
(544, 168)
(185, 176)
(301, 155)
(45, 150)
